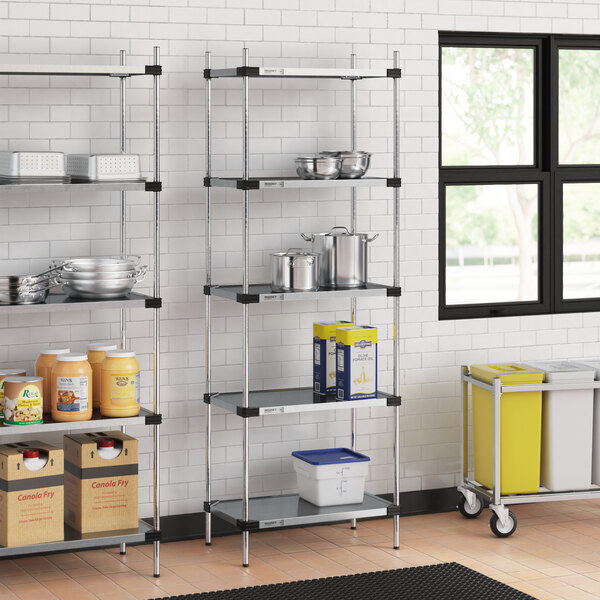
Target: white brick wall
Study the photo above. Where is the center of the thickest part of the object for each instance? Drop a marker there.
(80, 115)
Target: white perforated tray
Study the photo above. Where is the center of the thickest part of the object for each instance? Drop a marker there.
(104, 167)
(32, 164)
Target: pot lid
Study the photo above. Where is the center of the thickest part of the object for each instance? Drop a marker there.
(294, 252)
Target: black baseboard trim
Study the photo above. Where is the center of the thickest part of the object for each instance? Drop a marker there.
(190, 526)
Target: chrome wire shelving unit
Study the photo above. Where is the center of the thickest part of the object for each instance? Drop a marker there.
(146, 532)
(474, 497)
(251, 514)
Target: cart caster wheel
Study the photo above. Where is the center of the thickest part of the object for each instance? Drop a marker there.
(466, 511)
(503, 531)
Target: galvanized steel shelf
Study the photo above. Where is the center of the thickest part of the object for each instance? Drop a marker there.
(474, 496)
(262, 292)
(60, 302)
(278, 183)
(290, 510)
(293, 400)
(302, 73)
(97, 423)
(78, 541)
(80, 70)
(96, 186)
(281, 511)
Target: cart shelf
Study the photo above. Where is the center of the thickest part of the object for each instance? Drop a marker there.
(61, 303)
(290, 510)
(302, 73)
(263, 292)
(78, 541)
(277, 183)
(294, 400)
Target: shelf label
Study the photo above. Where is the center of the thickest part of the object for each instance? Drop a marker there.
(273, 71)
(273, 410)
(274, 523)
(273, 184)
(272, 297)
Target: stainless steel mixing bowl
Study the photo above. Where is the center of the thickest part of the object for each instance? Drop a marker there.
(354, 164)
(318, 167)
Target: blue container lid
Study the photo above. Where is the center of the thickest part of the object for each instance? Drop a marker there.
(330, 456)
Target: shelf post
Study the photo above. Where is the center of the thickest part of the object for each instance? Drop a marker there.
(208, 259)
(245, 319)
(353, 230)
(465, 423)
(156, 432)
(396, 301)
(123, 231)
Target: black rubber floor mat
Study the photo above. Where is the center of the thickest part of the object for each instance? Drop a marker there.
(449, 581)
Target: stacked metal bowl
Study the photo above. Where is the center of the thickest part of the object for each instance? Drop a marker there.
(100, 278)
(333, 165)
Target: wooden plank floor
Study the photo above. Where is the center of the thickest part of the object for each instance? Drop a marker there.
(555, 553)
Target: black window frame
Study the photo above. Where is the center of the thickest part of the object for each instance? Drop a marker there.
(545, 171)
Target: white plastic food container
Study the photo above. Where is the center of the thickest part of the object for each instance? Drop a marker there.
(332, 476)
(595, 364)
(567, 417)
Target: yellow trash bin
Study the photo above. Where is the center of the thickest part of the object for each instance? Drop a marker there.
(520, 429)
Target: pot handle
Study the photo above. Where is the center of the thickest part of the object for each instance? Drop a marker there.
(340, 227)
(309, 237)
(290, 249)
(370, 239)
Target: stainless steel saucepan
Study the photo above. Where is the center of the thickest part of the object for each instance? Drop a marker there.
(294, 270)
(343, 257)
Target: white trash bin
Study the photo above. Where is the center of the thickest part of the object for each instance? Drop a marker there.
(566, 427)
(331, 476)
(595, 364)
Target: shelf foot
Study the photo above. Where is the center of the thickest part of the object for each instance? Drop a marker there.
(208, 543)
(245, 565)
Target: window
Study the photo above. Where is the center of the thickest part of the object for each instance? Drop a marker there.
(519, 174)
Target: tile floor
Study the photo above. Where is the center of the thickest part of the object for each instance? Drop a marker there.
(555, 553)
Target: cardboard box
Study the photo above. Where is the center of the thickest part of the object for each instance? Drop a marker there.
(31, 502)
(100, 494)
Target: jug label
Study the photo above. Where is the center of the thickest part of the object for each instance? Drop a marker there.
(125, 389)
(72, 394)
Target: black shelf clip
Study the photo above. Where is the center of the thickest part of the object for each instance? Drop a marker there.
(208, 505)
(394, 401)
(247, 184)
(153, 186)
(207, 289)
(153, 70)
(246, 412)
(393, 510)
(247, 525)
(153, 303)
(207, 398)
(394, 292)
(247, 298)
(394, 182)
(206, 182)
(154, 419)
(154, 535)
(395, 73)
(247, 71)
